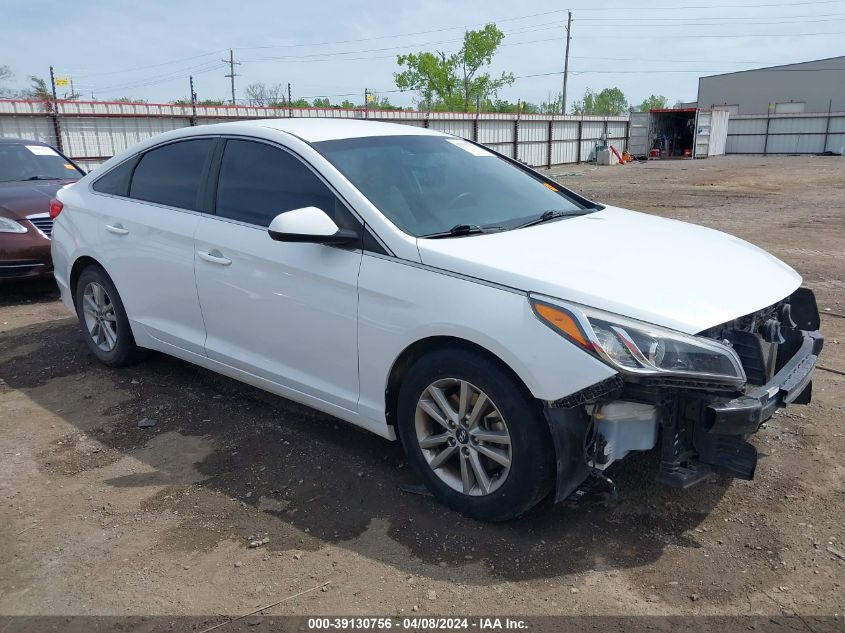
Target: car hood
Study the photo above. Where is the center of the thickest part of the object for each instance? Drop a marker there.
(20, 199)
(670, 273)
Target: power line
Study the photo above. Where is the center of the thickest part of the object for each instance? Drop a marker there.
(167, 63)
(324, 56)
(158, 79)
(510, 19)
(673, 8)
(721, 24)
(708, 17)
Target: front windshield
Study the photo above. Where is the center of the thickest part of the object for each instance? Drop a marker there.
(34, 162)
(428, 185)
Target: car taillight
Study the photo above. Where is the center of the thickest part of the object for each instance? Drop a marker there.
(55, 208)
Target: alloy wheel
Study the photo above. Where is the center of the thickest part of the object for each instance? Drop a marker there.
(463, 437)
(100, 319)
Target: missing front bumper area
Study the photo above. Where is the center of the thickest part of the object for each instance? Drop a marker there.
(701, 431)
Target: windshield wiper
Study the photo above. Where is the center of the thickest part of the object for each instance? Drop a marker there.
(460, 230)
(552, 214)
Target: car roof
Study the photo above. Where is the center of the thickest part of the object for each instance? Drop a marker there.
(314, 130)
(21, 141)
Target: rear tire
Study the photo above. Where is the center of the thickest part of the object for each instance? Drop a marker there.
(103, 319)
(475, 436)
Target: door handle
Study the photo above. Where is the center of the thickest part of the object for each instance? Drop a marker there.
(215, 257)
(117, 229)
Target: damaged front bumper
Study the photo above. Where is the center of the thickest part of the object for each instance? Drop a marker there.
(700, 431)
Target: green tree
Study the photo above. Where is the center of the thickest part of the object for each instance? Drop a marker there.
(610, 101)
(347, 105)
(322, 102)
(187, 102)
(300, 103)
(132, 100)
(653, 102)
(456, 81)
(505, 106)
(39, 90)
(552, 106)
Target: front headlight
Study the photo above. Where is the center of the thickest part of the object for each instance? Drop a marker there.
(641, 349)
(7, 225)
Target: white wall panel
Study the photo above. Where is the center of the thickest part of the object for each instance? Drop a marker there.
(565, 130)
(748, 144)
(592, 129)
(533, 130)
(28, 127)
(797, 125)
(564, 152)
(837, 124)
(93, 131)
(746, 126)
(795, 144)
(458, 128)
(535, 154)
(495, 131)
(836, 143)
(617, 129)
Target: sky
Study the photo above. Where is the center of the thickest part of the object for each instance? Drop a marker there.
(147, 49)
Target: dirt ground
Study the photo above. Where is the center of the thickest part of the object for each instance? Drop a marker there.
(99, 516)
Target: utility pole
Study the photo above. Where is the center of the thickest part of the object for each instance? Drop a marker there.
(366, 102)
(232, 63)
(193, 103)
(57, 126)
(290, 103)
(566, 63)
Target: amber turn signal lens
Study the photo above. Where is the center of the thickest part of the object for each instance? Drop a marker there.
(562, 321)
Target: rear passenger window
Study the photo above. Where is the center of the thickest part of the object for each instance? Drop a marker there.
(258, 182)
(116, 181)
(172, 174)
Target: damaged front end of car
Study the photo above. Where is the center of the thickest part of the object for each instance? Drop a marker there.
(698, 397)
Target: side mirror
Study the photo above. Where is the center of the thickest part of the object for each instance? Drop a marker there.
(311, 225)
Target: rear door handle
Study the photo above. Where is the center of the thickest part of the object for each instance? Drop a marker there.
(117, 229)
(215, 257)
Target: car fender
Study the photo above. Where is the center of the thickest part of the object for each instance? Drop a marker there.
(401, 303)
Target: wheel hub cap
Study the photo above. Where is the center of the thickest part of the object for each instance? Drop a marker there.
(99, 316)
(463, 436)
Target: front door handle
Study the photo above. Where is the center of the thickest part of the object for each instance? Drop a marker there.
(117, 229)
(215, 257)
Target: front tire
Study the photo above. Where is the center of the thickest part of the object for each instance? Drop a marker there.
(103, 319)
(475, 436)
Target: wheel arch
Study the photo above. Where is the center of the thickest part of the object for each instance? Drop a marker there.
(81, 263)
(413, 352)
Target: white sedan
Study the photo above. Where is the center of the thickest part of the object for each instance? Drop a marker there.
(515, 336)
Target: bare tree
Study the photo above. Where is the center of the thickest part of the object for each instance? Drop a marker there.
(6, 74)
(261, 94)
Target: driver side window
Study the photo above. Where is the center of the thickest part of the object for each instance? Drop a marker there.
(257, 182)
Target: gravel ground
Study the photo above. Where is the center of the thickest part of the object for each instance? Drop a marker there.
(98, 516)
